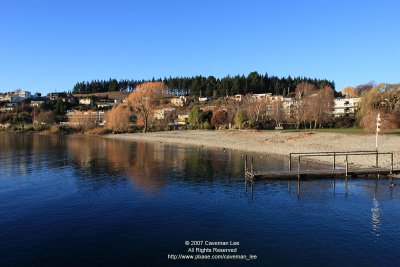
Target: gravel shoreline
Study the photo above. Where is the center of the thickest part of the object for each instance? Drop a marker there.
(280, 143)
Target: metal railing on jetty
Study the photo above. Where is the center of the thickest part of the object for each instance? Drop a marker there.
(323, 173)
(336, 154)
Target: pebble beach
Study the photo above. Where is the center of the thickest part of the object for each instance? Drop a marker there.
(280, 143)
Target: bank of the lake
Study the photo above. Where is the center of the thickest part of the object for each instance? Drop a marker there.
(279, 143)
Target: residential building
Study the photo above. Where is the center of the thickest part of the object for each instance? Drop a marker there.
(86, 101)
(16, 96)
(204, 99)
(183, 119)
(85, 118)
(287, 103)
(179, 101)
(107, 103)
(261, 96)
(165, 113)
(9, 107)
(346, 106)
(36, 103)
(238, 98)
(56, 96)
(22, 94)
(272, 98)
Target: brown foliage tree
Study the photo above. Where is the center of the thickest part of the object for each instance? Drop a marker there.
(388, 121)
(145, 98)
(349, 91)
(117, 119)
(220, 118)
(387, 103)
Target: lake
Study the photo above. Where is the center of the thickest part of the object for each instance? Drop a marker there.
(91, 201)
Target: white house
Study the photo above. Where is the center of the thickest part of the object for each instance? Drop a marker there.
(17, 96)
(86, 101)
(288, 106)
(204, 99)
(238, 97)
(36, 103)
(261, 96)
(345, 106)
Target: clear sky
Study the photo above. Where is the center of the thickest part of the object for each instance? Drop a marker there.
(48, 45)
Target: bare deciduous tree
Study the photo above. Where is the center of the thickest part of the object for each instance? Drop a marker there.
(277, 112)
(321, 106)
(43, 120)
(304, 92)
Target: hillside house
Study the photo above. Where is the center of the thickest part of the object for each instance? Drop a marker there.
(86, 101)
(179, 101)
(85, 118)
(345, 106)
(165, 113)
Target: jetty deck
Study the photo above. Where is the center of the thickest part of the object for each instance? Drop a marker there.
(299, 173)
(319, 174)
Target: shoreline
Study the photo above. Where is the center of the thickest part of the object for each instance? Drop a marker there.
(280, 143)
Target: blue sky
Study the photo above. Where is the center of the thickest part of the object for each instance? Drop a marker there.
(48, 45)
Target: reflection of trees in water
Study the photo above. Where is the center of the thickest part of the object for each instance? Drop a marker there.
(150, 166)
(89, 156)
(147, 168)
(23, 153)
(209, 165)
(98, 161)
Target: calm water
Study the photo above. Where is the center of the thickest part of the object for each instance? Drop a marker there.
(87, 201)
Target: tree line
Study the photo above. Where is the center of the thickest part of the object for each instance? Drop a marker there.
(312, 107)
(201, 86)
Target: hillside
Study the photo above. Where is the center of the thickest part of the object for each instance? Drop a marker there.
(109, 95)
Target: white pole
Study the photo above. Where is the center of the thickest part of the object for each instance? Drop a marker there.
(378, 124)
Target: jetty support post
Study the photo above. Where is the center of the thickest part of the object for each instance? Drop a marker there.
(334, 160)
(290, 161)
(252, 168)
(391, 162)
(376, 159)
(347, 166)
(245, 165)
(298, 169)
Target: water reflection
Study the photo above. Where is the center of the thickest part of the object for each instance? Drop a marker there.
(96, 160)
(151, 166)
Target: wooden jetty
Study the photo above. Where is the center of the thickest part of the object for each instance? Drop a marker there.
(317, 174)
(334, 172)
